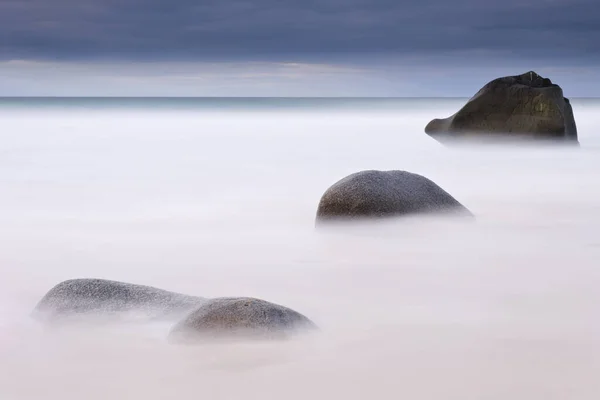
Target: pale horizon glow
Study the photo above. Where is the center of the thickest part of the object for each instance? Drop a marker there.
(402, 77)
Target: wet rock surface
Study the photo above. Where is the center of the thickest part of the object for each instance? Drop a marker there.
(109, 300)
(239, 318)
(376, 194)
(521, 107)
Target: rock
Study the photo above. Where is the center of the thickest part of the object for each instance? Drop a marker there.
(239, 318)
(525, 106)
(111, 300)
(377, 194)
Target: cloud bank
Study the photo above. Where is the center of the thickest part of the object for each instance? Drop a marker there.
(293, 48)
(211, 29)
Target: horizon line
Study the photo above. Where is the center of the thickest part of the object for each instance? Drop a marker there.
(251, 97)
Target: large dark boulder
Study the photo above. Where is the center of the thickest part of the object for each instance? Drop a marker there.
(109, 300)
(526, 106)
(377, 194)
(239, 318)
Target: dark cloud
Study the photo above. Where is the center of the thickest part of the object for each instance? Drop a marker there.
(222, 29)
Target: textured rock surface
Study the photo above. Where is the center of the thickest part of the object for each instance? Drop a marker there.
(111, 299)
(525, 106)
(239, 317)
(377, 194)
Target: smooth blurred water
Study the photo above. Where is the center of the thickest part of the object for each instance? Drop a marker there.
(220, 200)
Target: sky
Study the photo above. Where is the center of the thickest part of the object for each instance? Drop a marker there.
(293, 48)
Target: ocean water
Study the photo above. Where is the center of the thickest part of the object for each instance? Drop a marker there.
(217, 197)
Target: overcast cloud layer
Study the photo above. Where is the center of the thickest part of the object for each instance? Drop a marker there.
(217, 29)
(293, 48)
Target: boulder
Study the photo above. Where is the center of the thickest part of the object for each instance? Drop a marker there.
(111, 300)
(239, 318)
(526, 106)
(377, 194)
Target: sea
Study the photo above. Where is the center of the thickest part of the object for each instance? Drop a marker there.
(217, 197)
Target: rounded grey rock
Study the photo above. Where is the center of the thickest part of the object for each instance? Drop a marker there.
(379, 194)
(239, 318)
(111, 299)
(523, 107)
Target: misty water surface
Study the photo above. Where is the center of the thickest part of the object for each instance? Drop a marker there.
(222, 203)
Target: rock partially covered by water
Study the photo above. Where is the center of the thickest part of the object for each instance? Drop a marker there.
(108, 299)
(526, 106)
(239, 318)
(377, 194)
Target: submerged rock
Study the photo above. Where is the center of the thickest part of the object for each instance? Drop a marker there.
(377, 194)
(526, 106)
(239, 318)
(111, 300)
